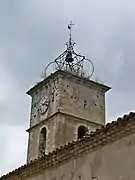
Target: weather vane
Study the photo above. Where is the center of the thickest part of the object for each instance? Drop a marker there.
(70, 61)
(70, 43)
(70, 27)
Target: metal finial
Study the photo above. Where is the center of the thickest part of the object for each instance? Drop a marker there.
(70, 28)
(70, 43)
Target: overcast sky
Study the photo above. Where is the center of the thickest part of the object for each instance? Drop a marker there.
(33, 33)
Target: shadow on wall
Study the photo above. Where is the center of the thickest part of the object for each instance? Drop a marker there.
(82, 131)
(42, 141)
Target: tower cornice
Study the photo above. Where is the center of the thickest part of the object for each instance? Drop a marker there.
(67, 75)
(67, 115)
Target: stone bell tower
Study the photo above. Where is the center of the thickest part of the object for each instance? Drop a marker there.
(65, 105)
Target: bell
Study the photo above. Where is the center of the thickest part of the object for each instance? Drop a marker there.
(69, 58)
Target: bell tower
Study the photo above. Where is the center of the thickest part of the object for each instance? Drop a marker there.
(66, 105)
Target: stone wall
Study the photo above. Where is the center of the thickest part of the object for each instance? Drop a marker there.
(51, 91)
(82, 99)
(66, 129)
(33, 145)
(61, 129)
(72, 95)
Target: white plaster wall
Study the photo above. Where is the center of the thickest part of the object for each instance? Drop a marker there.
(113, 162)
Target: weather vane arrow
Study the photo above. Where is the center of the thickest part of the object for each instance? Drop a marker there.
(70, 25)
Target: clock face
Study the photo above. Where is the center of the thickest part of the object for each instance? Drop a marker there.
(44, 104)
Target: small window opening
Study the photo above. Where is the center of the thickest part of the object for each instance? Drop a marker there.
(42, 141)
(82, 131)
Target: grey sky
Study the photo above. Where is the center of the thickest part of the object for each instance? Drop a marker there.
(33, 33)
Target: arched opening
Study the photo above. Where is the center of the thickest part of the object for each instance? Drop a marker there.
(42, 141)
(82, 131)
